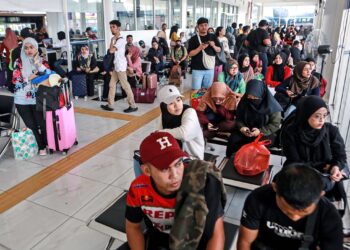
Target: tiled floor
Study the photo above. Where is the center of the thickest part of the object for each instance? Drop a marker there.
(55, 217)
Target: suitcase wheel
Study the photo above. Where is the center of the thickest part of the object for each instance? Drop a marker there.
(51, 151)
(76, 143)
(64, 152)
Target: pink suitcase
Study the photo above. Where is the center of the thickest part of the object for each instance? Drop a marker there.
(152, 81)
(60, 129)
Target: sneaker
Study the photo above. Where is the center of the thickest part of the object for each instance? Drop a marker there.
(42, 152)
(130, 109)
(106, 107)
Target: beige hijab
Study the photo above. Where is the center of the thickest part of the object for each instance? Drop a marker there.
(218, 89)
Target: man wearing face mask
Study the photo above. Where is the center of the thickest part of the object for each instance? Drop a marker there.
(178, 55)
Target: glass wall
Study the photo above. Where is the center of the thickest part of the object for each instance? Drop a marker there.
(144, 14)
(81, 15)
(199, 9)
(176, 16)
(190, 14)
(124, 12)
(161, 13)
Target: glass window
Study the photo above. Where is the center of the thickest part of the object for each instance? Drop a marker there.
(190, 14)
(81, 15)
(124, 12)
(161, 13)
(144, 14)
(199, 9)
(176, 12)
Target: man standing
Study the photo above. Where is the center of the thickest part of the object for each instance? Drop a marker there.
(117, 47)
(162, 32)
(290, 214)
(259, 40)
(200, 45)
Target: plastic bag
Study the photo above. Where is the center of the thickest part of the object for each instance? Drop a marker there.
(253, 158)
(197, 97)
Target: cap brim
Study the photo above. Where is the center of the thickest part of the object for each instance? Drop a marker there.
(164, 160)
(171, 99)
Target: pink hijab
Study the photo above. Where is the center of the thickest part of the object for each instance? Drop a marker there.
(10, 40)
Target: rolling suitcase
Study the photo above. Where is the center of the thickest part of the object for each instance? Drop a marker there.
(3, 81)
(152, 81)
(79, 85)
(60, 126)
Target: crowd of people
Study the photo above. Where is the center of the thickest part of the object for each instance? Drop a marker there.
(255, 81)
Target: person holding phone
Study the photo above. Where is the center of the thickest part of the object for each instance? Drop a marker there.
(257, 112)
(28, 67)
(216, 109)
(301, 83)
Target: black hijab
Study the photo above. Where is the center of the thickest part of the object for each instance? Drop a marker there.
(306, 107)
(170, 121)
(254, 113)
(278, 69)
(251, 56)
(240, 63)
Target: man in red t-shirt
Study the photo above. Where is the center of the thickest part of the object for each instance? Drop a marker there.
(152, 196)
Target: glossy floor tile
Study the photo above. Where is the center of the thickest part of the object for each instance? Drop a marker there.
(26, 224)
(67, 194)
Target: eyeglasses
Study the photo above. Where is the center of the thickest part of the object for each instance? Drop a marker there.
(320, 117)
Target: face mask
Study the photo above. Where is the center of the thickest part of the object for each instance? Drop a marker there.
(256, 102)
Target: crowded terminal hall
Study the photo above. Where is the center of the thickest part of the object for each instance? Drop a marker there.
(174, 125)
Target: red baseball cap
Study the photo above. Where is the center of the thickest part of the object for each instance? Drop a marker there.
(160, 149)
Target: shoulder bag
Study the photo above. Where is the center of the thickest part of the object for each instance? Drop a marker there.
(208, 61)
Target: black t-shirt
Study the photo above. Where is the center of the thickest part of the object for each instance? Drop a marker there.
(277, 231)
(256, 38)
(196, 61)
(156, 238)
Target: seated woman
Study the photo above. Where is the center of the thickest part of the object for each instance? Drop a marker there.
(181, 121)
(155, 56)
(278, 71)
(245, 68)
(257, 112)
(87, 64)
(301, 83)
(256, 64)
(308, 138)
(134, 70)
(232, 77)
(216, 110)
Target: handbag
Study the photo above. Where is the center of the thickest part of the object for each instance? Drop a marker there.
(108, 62)
(208, 61)
(24, 144)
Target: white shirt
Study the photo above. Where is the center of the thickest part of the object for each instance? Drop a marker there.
(120, 63)
(62, 44)
(190, 133)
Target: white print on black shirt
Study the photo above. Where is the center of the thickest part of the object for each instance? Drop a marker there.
(287, 232)
(162, 218)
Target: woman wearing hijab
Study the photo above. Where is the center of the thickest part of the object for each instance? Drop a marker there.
(278, 71)
(245, 68)
(27, 67)
(181, 121)
(9, 43)
(87, 64)
(309, 139)
(301, 83)
(216, 109)
(257, 112)
(134, 70)
(232, 77)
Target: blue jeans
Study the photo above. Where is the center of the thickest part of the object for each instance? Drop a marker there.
(265, 61)
(202, 78)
